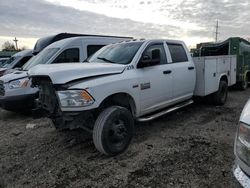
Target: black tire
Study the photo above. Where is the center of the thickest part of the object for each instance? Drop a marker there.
(113, 130)
(220, 97)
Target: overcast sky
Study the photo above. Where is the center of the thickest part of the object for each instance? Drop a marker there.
(190, 20)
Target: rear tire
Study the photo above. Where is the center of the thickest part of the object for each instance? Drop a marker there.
(113, 130)
(220, 97)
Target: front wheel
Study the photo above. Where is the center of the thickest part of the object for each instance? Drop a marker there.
(113, 130)
(220, 96)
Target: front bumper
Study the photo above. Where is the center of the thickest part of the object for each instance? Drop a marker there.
(19, 102)
(73, 120)
(241, 176)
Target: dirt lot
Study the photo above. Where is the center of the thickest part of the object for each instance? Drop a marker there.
(192, 147)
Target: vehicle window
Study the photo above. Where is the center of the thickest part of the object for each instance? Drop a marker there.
(120, 53)
(67, 56)
(91, 49)
(9, 61)
(160, 47)
(42, 58)
(4, 60)
(22, 61)
(177, 52)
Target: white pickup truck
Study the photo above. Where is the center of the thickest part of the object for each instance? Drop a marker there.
(127, 81)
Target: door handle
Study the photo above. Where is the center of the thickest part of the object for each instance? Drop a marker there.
(190, 68)
(167, 72)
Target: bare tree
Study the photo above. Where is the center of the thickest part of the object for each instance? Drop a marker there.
(7, 46)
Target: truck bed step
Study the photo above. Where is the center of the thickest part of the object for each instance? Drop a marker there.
(166, 111)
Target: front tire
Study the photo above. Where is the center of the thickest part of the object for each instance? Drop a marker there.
(113, 130)
(220, 96)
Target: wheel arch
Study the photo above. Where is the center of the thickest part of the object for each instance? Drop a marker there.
(121, 99)
(224, 78)
(247, 75)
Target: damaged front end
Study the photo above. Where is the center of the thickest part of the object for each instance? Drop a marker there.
(48, 104)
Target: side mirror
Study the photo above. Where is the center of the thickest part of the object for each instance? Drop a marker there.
(147, 61)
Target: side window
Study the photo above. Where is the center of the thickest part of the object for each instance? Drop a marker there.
(160, 47)
(91, 49)
(67, 56)
(177, 52)
(22, 61)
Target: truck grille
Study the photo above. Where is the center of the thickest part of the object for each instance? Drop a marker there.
(2, 91)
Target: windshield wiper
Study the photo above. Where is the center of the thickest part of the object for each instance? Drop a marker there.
(104, 59)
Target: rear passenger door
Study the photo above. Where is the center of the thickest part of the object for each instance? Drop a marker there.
(183, 72)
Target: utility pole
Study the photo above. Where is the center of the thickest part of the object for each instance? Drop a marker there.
(216, 31)
(15, 40)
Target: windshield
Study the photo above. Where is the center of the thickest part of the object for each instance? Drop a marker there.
(120, 53)
(9, 61)
(3, 60)
(41, 58)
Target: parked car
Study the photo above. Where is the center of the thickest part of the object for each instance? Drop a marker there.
(45, 41)
(15, 91)
(242, 148)
(2, 60)
(15, 61)
(19, 59)
(135, 80)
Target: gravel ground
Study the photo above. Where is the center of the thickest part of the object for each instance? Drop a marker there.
(192, 147)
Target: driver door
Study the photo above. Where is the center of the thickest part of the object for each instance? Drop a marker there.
(155, 81)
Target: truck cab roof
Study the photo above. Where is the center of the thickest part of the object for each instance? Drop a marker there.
(66, 42)
(156, 40)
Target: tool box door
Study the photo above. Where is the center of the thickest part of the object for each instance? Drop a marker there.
(210, 75)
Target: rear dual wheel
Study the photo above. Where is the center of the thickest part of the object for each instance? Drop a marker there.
(113, 130)
(220, 97)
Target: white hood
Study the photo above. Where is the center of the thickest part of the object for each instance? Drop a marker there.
(13, 76)
(66, 72)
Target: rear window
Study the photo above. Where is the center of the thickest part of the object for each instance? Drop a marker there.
(177, 52)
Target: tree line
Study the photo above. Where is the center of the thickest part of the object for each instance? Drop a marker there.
(8, 46)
